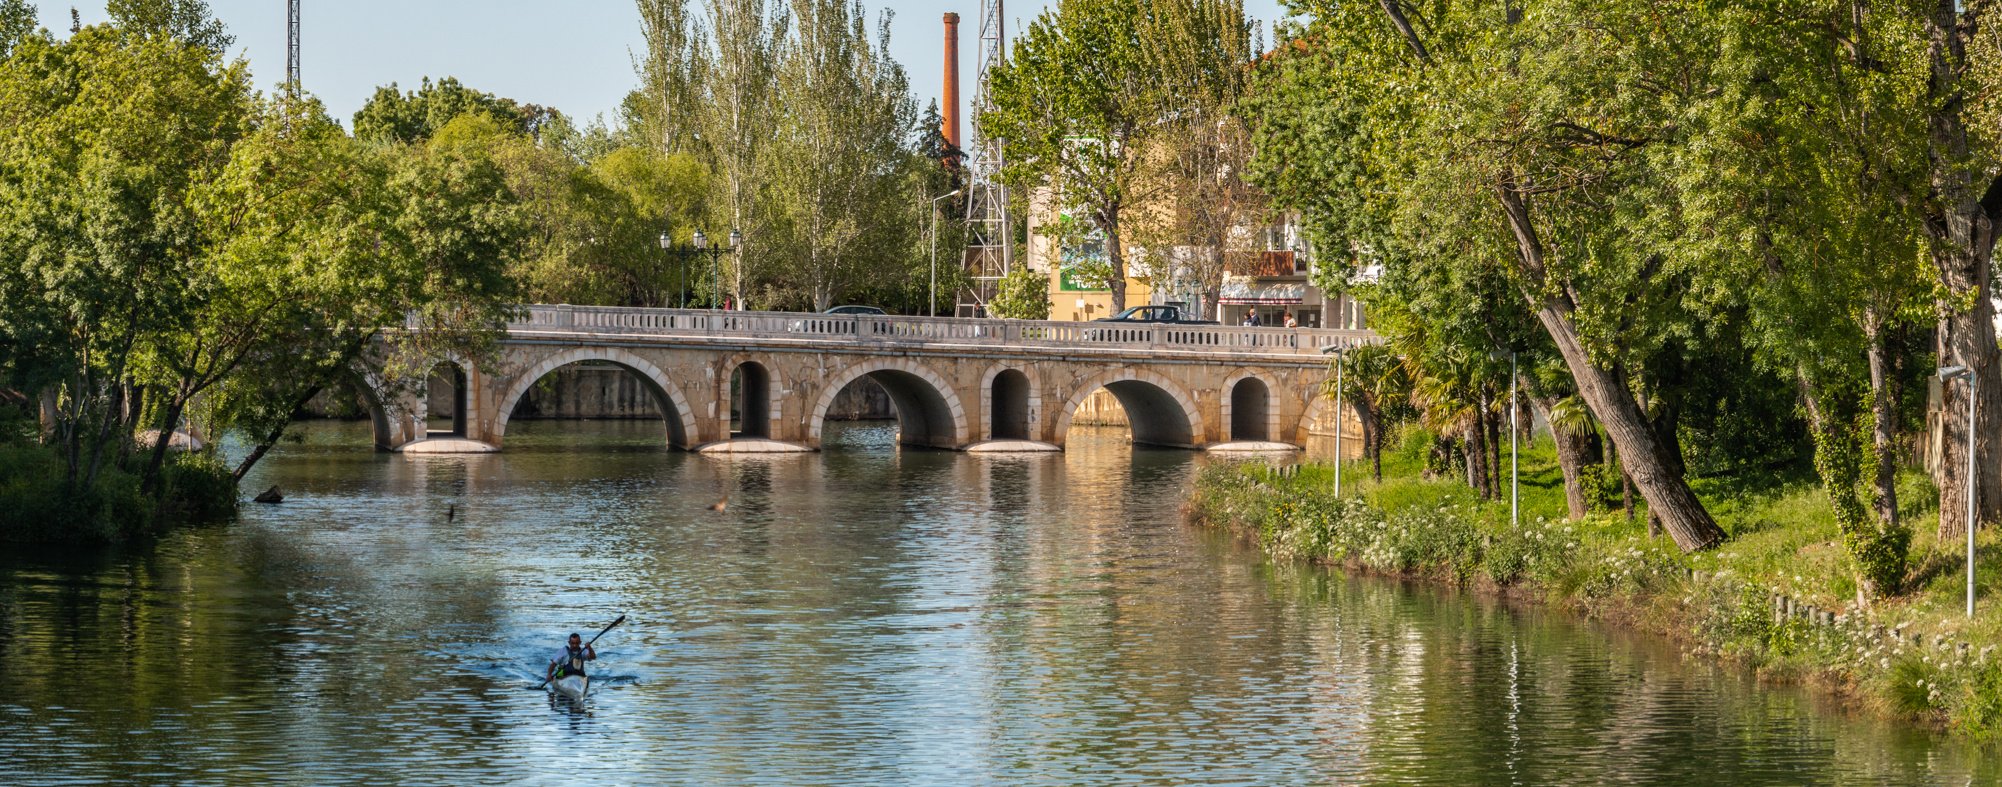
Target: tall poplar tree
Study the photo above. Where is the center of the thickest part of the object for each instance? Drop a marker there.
(839, 162)
(746, 39)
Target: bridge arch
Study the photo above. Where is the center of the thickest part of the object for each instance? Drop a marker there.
(762, 401)
(465, 402)
(928, 410)
(390, 426)
(673, 405)
(1321, 410)
(1158, 411)
(1250, 406)
(1012, 403)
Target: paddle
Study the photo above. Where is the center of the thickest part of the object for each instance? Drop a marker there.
(594, 641)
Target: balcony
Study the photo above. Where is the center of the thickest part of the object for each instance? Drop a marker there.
(1265, 264)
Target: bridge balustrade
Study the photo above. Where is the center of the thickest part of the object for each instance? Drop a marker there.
(949, 330)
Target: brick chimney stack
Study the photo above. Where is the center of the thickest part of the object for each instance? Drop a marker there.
(951, 99)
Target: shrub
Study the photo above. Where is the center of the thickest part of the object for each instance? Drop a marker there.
(37, 505)
(1023, 294)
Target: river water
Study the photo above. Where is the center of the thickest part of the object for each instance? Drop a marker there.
(861, 616)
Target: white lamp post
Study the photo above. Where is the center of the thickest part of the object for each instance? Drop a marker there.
(1973, 484)
(931, 306)
(1514, 460)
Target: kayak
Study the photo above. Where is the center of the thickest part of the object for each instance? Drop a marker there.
(572, 686)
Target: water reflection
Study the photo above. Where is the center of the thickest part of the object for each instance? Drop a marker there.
(861, 616)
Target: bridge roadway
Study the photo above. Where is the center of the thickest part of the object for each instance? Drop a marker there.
(967, 384)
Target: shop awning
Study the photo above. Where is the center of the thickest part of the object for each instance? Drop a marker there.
(1250, 292)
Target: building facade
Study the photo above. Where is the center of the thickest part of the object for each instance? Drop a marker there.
(1268, 280)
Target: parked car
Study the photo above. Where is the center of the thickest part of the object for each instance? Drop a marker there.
(851, 310)
(1126, 326)
(1155, 314)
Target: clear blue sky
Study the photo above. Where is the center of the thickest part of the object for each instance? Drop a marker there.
(575, 56)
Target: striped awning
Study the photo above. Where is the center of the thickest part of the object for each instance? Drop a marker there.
(1251, 292)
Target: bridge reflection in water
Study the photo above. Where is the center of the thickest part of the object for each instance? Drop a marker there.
(764, 381)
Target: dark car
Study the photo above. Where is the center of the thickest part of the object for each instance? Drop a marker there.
(1155, 314)
(867, 311)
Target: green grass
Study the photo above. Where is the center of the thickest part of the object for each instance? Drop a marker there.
(1783, 539)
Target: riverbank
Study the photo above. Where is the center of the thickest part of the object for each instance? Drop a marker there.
(1779, 596)
(39, 505)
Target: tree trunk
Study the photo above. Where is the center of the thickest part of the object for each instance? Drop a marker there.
(1884, 433)
(1666, 419)
(1115, 253)
(169, 419)
(1571, 450)
(135, 412)
(1477, 457)
(1606, 392)
(271, 439)
(1372, 432)
(114, 415)
(1960, 228)
(51, 414)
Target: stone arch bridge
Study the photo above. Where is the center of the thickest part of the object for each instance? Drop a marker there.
(763, 381)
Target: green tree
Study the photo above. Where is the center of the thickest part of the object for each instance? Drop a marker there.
(1962, 208)
(663, 112)
(1201, 51)
(1022, 295)
(1078, 106)
(414, 116)
(593, 229)
(302, 267)
(738, 111)
(104, 137)
(187, 20)
(932, 143)
(1806, 188)
(1528, 140)
(17, 21)
(838, 162)
(324, 246)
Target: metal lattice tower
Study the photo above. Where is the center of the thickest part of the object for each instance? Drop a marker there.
(990, 248)
(292, 43)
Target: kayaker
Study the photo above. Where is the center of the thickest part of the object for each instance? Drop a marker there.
(571, 661)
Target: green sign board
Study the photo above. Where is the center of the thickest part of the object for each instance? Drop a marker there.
(1072, 280)
(1076, 262)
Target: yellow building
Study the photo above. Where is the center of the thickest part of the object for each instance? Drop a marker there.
(1073, 299)
(1268, 286)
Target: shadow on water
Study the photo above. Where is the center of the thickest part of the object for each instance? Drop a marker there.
(866, 615)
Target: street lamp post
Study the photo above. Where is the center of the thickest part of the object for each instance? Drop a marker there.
(931, 306)
(699, 244)
(1514, 455)
(1973, 485)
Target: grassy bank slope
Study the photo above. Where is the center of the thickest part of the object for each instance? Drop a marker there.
(1901, 655)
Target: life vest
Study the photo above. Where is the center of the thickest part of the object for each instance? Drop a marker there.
(573, 664)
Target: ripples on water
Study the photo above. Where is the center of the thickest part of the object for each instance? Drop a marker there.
(861, 616)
